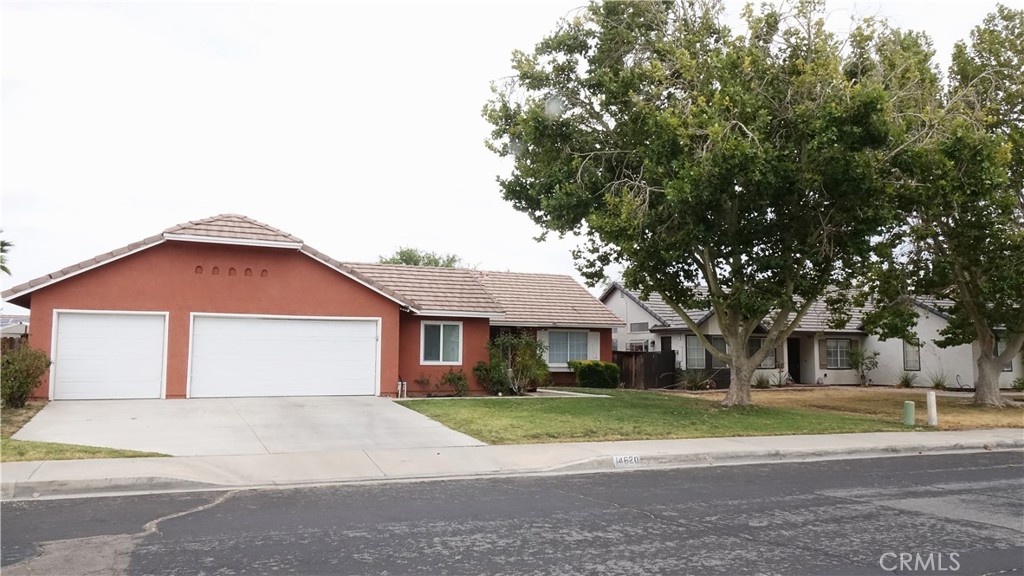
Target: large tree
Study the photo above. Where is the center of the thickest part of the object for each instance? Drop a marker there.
(416, 257)
(752, 164)
(960, 187)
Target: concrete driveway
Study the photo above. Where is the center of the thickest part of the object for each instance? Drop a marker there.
(227, 426)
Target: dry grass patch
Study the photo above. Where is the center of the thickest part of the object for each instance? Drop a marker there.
(955, 412)
(12, 419)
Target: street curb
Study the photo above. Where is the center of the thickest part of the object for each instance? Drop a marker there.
(54, 489)
(690, 460)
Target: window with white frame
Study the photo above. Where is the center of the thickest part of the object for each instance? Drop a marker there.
(694, 353)
(639, 327)
(753, 345)
(1000, 348)
(837, 353)
(911, 357)
(441, 343)
(564, 347)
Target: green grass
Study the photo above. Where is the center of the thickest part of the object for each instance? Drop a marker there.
(11, 450)
(24, 450)
(629, 415)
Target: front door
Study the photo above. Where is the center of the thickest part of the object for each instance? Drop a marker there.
(793, 354)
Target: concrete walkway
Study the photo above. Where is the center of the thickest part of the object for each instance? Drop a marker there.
(26, 480)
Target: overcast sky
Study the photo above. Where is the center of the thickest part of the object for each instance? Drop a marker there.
(353, 125)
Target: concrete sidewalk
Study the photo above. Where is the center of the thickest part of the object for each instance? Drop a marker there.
(68, 478)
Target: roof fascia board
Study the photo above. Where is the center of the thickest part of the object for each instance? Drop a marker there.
(62, 277)
(232, 241)
(462, 314)
(508, 323)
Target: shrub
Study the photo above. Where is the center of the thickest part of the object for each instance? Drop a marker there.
(694, 379)
(517, 363)
(455, 381)
(762, 381)
(1018, 384)
(907, 380)
(595, 373)
(939, 380)
(864, 361)
(20, 371)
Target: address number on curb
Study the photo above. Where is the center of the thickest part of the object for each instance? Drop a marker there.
(626, 461)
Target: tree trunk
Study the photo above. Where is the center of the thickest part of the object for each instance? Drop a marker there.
(740, 373)
(986, 385)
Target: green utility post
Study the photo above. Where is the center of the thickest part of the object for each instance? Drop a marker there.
(908, 413)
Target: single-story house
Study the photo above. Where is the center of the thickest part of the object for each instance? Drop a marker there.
(229, 306)
(814, 353)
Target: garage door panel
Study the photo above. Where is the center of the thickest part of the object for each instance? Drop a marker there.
(106, 356)
(249, 356)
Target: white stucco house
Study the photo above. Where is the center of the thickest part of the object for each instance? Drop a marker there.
(813, 353)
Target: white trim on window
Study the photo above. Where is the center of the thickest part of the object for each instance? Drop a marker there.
(586, 347)
(440, 344)
(837, 353)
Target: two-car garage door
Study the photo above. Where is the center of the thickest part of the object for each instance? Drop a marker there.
(123, 355)
(256, 356)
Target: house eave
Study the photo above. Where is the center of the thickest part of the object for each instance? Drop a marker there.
(233, 241)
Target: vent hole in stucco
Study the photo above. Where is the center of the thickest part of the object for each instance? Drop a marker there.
(248, 271)
(216, 270)
(199, 269)
(231, 271)
(264, 273)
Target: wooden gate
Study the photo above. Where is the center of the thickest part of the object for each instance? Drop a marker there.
(642, 370)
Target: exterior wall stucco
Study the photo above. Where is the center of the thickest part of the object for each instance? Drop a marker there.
(626, 308)
(475, 333)
(167, 278)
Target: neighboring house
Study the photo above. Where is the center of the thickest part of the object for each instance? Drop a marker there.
(228, 306)
(813, 353)
(13, 325)
(929, 362)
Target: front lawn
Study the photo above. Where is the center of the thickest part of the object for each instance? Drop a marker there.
(630, 415)
(955, 412)
(12, 419)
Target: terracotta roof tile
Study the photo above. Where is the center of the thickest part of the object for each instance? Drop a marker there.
(437, 289)
(545, 300)
(232, 226)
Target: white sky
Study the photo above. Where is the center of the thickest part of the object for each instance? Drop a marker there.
(354, 125)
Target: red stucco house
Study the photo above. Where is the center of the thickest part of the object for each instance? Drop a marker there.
(228, 306)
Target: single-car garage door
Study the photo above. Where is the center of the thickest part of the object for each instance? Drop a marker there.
(105, 355)
(279, 356)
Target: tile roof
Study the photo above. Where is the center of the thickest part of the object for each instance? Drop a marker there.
(432, 289)
(816, 319)
(231, 227)
(545, 300)
(527, 299)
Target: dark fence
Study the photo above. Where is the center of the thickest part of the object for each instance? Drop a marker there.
(642, 370)
(12, 343)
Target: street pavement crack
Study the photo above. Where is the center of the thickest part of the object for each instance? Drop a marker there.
(106, 555)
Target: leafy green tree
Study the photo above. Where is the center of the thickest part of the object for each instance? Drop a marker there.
(960, 188)
(752, 165)
(416, 257)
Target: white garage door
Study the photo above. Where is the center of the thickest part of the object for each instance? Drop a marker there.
(247, 356)
(101, 356)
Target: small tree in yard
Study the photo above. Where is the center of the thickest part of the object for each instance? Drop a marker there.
(753, 165)
(521, 357)
(864, 361)
(20, 371)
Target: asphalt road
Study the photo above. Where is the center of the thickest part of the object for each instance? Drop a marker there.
(952, 514)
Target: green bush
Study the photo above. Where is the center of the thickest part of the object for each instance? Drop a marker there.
(939, 379)
(907, 380)
(1018, 384)
(595, 373)
(694, 379)
(455, 381)
(517, 364)
(20, 371)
